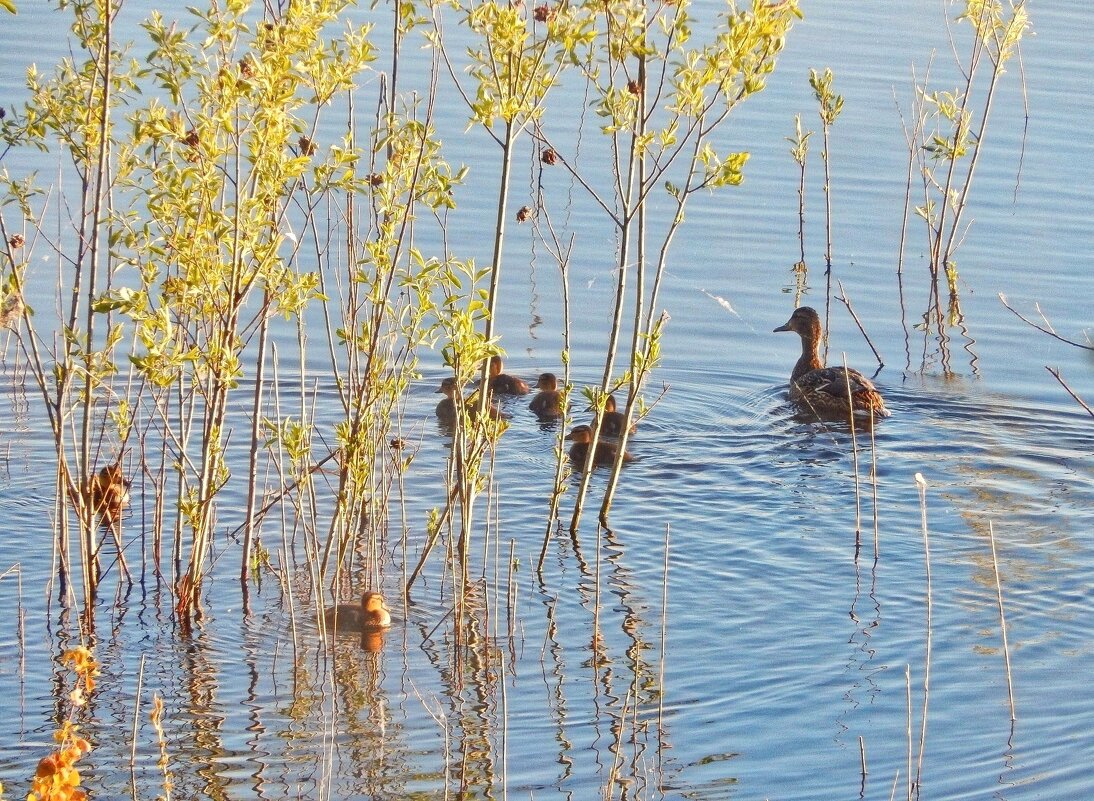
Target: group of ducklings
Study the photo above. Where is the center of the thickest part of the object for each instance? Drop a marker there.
(827, 392)
(546, 405)
(831, 392)
(824, 391)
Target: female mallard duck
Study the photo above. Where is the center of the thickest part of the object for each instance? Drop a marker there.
(547, 404)
(827, 390)
(446, 409)
(371, 614)
(503, 384)
(108, 494)
(582, 437)
(613, 422)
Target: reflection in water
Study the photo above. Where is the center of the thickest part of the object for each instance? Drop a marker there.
(364, 734)
(556, 697)
(991, 482)
(863, 674)
(525, 689)
(201, 740)
(560, 700)
(936, 348)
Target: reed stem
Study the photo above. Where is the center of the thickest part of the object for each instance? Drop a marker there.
(921, 483)
(1002, 620)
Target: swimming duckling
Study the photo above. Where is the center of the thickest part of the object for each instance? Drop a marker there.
(613, 421)
(582, 437)
(446, 409)
(503, 384)
(547, 404)
(370, 615)
(824, 390)
(108, 494)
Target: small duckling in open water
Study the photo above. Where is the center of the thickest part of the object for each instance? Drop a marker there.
(827, 391)
(370, 615)
(503, 384)
(582, 437)
(547, 404)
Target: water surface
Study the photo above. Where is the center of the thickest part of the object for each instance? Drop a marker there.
(750, 662)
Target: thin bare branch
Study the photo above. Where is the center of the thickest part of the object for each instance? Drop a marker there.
(1049, 331)
(1070, 391)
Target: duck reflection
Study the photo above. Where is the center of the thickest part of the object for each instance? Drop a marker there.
(372, 640)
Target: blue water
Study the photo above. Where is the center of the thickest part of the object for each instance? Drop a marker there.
(787, 636)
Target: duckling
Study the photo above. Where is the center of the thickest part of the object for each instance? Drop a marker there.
(503, 384)
(613, 421)
(370, 615)
(108, 494)
(446, 409)
(11, 310)
(547, 404)
(824, 390)
(582, 437)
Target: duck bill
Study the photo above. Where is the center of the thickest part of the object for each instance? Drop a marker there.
(784, 327)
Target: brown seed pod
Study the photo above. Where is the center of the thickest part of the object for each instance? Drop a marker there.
(549, 156)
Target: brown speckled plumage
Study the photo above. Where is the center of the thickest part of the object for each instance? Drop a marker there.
(108, 494)
(613, 421)
(827, 391)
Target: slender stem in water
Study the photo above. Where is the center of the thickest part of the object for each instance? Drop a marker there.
(922, 485)
(1002, 620)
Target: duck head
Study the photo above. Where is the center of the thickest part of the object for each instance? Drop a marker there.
(376, 611)
(547, 382)
(804, 321)
(581, 434)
